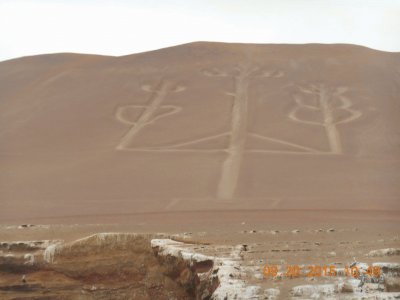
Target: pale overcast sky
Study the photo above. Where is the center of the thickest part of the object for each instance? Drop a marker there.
(119, 27)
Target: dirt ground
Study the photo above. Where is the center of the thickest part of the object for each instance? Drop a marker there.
(281, 238)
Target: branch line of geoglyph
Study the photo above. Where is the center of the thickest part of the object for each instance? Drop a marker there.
(172, 150)
(196, 141)
(278, 141)
(120, 110)
(173, 110)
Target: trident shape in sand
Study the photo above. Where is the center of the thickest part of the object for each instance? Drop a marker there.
(326, 101)
(151, 111)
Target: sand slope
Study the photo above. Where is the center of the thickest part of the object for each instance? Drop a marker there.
(201, 126)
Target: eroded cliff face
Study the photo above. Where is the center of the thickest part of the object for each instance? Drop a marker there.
(138, 266)
(121, 266)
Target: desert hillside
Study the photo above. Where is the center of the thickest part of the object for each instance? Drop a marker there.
(200, 126)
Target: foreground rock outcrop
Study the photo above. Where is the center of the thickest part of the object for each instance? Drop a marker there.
(121, 265)
(139, 266)
(117, 265)
(217, 277)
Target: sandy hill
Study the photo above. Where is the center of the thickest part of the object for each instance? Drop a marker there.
(200, 126)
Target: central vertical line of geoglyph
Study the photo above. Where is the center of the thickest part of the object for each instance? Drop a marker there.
(329, 122)
(231, 166)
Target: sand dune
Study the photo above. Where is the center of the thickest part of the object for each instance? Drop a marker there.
(201, 126)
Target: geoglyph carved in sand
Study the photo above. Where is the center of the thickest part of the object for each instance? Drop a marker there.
(239, 116)
(150, 111)
(325, 101)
